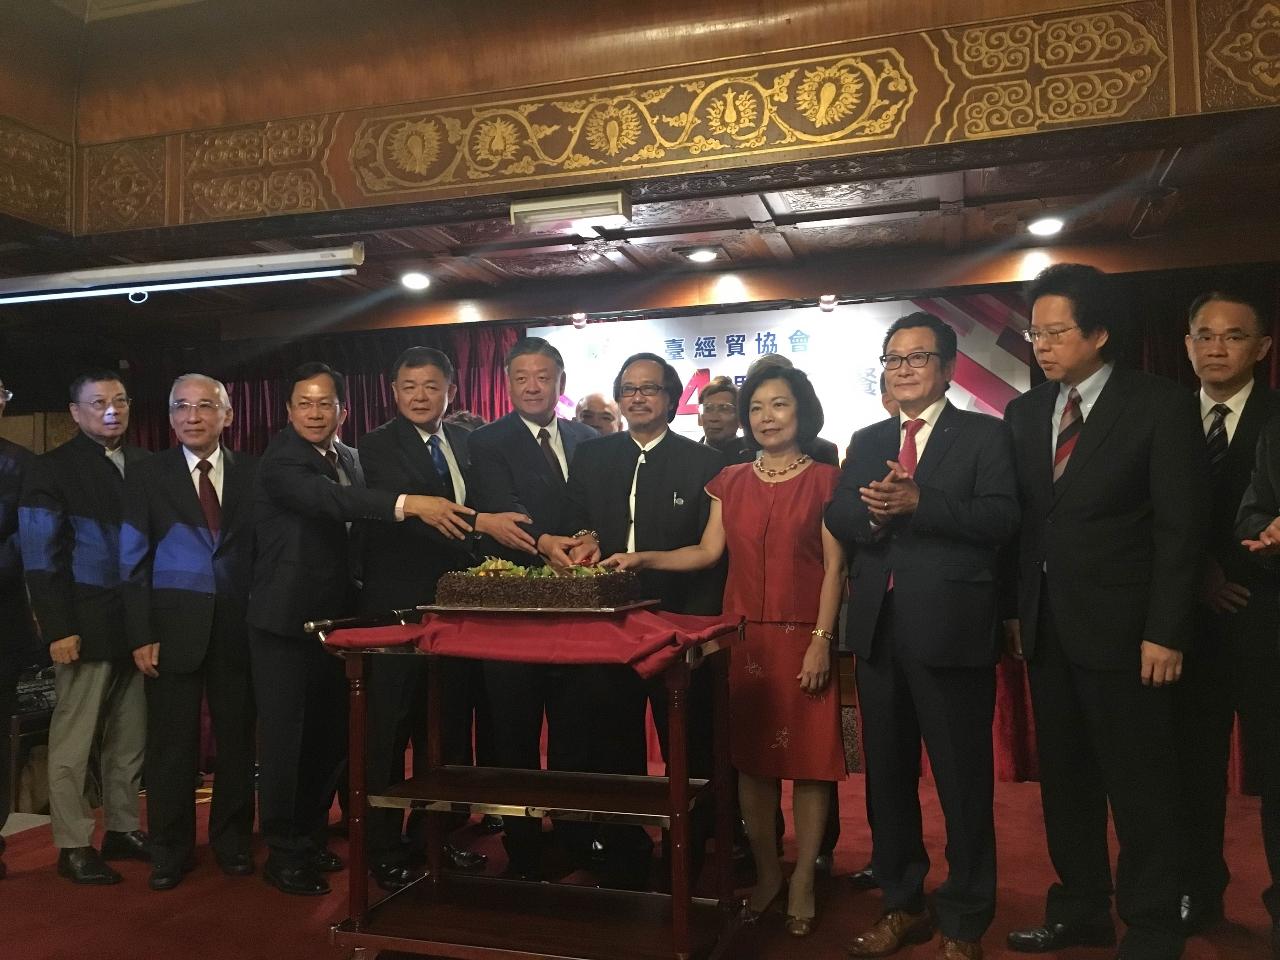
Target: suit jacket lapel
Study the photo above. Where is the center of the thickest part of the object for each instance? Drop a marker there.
(1104, 415)
(1243, 448)
(350, 465)
(1041, 426)
(416, 455)
(457, 438)
(941, 437)
(230, 489)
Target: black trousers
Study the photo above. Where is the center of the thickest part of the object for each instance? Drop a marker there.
(301, 693)
(951, 709)
(519, 694)
(397, 687)
(173, 756)
(1103, 736)
(9, 671)
(1219, 679)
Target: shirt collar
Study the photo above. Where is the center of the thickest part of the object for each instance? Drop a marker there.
(552, 428)
(427, 434)
(1236, 402)
(214, 458)
(929, 414)
(1090, 387)
(646, 447)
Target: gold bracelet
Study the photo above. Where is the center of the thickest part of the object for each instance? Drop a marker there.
(588, 533)
(824, 634)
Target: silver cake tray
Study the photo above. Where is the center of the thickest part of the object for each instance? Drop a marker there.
(637, 605)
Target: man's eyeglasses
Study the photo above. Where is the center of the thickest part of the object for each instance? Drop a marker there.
(324, 406)
(200, 406)
(1232, 339)
(718, 408)
(1032, 335)
(100, 405)
(644, 389)
(920, 358)
(5, 395)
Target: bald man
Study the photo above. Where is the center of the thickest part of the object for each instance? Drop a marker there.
(597, 410)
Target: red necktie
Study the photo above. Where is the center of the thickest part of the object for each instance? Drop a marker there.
(209, 498)
(1068, 433)
(908, 456)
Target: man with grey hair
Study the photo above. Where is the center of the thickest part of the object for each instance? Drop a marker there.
(186, 555)
(598, 411)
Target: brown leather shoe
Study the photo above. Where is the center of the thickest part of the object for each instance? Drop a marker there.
(895, 929)
(950, 949)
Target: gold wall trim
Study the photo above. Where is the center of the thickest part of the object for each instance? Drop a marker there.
(35, 176)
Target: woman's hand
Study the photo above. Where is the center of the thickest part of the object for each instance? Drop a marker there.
(624, 561)
(816, 671)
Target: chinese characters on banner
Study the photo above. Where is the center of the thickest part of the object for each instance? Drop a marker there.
(839, 351)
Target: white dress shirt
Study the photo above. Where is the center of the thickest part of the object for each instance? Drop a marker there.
(930, 416)
(455, 474)
(1089, 389)
(631, 504)
(215, 470)
(557, 444)
(116, 457)
(1235, 403)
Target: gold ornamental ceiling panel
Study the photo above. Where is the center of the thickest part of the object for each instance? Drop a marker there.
(91, 10)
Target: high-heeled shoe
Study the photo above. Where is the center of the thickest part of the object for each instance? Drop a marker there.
(801, 926)
(748, 915)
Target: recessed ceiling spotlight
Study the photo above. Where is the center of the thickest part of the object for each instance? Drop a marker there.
(415, 280)
(700, 254)
(1045, 226)
(827, 302)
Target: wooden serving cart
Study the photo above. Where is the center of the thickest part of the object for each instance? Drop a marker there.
(447, 914)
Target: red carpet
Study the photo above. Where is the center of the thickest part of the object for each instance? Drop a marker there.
(213, 917)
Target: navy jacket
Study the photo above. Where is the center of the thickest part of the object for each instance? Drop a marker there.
(69, 524)
(175, 571)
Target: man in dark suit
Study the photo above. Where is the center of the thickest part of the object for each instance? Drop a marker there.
(718, 418)
(309, 486)
(644, 490)
(519, 465)
(17, 638)
(69, 523)
(1233, 664)
(418, 453)
(186, 556)
(1113, 478)
(928, 498)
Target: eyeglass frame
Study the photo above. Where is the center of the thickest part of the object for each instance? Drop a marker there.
(1032, 335)
(100, 405)
(644, 389)
(324, 406)
(719, 408)
(203, 406)
(892, 361)
(1226, 338)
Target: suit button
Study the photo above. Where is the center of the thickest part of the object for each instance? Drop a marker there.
(1048, 521)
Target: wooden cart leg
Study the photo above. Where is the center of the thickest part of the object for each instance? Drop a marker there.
(677, 681)
(357, 730)
(435, 755)
(722, 776)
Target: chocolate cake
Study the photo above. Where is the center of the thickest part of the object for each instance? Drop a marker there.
(499, 583)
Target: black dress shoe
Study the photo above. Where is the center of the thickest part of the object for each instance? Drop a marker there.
(302, 881)
(117, 845)
(167, 876)
(823, 863)
(1275, 940)
(864, 879)
(461, 859)
(1057, 936)
(235, 864)
(1199, 913)
(393, 876)
(85, 865)
(326, 862)
(491, 824)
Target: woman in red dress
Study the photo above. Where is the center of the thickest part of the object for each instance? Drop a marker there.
(786, 577)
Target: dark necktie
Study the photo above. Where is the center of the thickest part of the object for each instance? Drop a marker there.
(209, 498)
(441, 464)
(1068, 433)
(544, 441)
(1216, 438)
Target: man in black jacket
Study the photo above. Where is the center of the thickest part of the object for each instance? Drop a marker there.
(418, 453)
(644, 490)
(1233, 664)
(18, 639)
(1113, 479)
(925, 501)
(309, 486)
(518, 466)
(69, 521)
(186, 556)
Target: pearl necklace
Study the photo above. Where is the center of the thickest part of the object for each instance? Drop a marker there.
(793, 465)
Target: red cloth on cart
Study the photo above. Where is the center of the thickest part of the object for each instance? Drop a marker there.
(648, 641)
